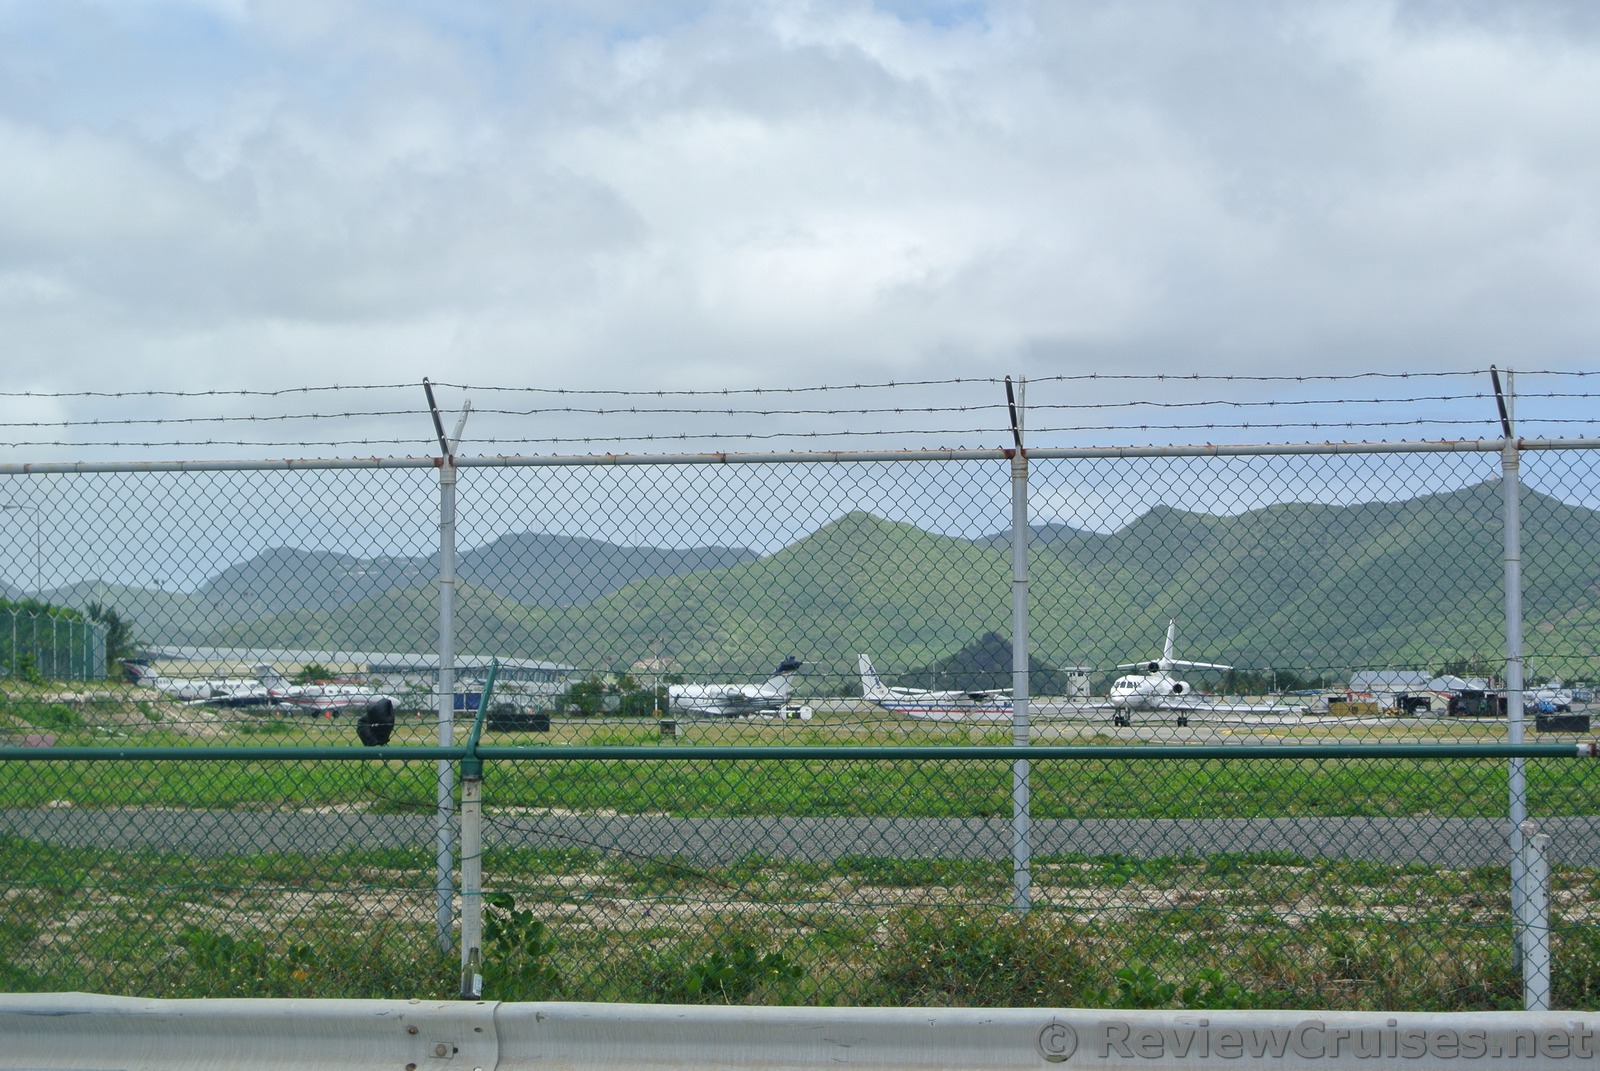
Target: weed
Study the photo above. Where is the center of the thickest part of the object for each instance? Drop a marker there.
(238, 967)
(969, 960)
(57, 716)
(731, 974)
(272, 726)
(517, 951)
(732, 971)
(1575, 977)
(1137, 986)
(1211, 988)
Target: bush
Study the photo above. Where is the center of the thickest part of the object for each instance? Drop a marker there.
(517, 949)
(56, 716)
(732, 971)
(975, 961)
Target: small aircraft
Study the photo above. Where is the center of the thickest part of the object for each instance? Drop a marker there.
(1549, 698)
(1155, 688)
(328, 698)
(978, 705)
(736, 700)
(215, 691)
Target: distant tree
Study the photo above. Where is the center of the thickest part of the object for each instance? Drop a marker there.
(1475, 666)
(643, 702)
(27, 669)
(312, 672)
(120, 643)
(588, 696)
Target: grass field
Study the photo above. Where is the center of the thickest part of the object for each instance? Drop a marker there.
(1267, 784)
(1272, 930)
(1227, 931)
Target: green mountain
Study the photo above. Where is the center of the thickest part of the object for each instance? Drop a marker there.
(1312, 588)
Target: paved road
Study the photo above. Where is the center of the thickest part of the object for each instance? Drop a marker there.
(1449, 842)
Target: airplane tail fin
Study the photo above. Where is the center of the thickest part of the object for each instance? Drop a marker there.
(782, 679)
(270, 677)
(1169, 659)
(872, 687)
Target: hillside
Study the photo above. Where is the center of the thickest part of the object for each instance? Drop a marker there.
(1314, 588)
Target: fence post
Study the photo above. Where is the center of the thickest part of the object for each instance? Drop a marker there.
(1534, 920)
(1517, 802)
(472, 850)
(444, 841)
(1021, 783)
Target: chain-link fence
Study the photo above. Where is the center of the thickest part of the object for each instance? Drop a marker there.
(40, 643)
(1269, 704)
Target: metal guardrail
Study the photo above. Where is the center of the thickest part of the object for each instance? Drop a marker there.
(93, 1032)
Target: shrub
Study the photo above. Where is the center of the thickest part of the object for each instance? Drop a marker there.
(971, 961)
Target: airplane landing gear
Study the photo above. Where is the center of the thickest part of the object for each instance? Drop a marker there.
(1121, 719)
(1183, 720)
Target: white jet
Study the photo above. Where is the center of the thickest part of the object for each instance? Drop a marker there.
(1156, 688)
(993, 704)
(326, 698)
(736, 700)
(213, 691)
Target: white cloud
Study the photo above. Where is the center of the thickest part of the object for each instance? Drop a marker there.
(718, 194)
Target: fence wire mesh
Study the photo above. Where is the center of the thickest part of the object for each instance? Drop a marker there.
(1256, 685)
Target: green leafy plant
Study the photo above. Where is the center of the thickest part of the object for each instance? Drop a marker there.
(733, 973)
(53, 716)
(970, 960)
(27, 669)
(1138, 986)
(1212, 989)
(517, 951)
(243, 967)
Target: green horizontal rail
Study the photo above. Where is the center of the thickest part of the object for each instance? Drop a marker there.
(999, 753)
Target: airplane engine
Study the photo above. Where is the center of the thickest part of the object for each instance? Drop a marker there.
(1178, 688)
(376, 723)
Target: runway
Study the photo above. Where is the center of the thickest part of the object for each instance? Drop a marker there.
(1435, 841)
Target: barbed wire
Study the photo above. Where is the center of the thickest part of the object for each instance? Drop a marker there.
(424, 444)
(1085, 377)
(1274, 403)
(916, 419)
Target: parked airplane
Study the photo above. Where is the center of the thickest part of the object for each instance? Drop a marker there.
(330, 698)
(979, 705)
(216, 691)
(735, 700)
(1548, 698)
(1155, 688)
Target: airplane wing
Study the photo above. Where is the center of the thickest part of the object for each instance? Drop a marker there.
(1200, 704)
(986, 696)
(731, 705)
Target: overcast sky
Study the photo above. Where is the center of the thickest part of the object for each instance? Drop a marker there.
(211, 194)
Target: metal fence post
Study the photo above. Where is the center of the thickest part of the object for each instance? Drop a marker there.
(1534, 918)
(1517, 802)
(444, 848)
(444, 842)
(1021, 785)
(472, 851)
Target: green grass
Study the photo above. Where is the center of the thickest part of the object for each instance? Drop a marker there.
(1259, 787)
(1243, 930)
(1223, 931)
